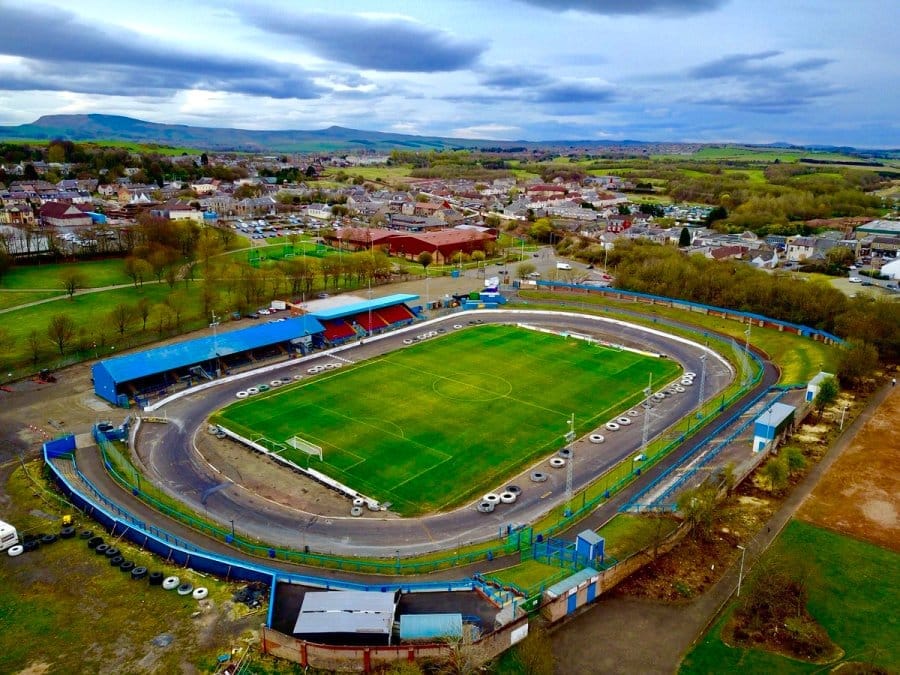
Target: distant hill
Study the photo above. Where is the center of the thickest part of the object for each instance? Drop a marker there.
(334, 139)
(118, 128)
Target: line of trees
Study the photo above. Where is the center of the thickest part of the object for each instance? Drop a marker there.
(871, 324)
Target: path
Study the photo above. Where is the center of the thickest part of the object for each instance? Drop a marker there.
(65, 296)
(641, 636)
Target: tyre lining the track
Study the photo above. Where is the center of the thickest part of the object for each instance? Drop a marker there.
(612, 426)
(538, 477)
(485, 507)
(557, 462)
(565, 453)
(507, 497)
(596, 438)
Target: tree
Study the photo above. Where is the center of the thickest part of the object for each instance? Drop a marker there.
(776, 473)
(71, 280)
(541, 230)
(6, 341)
(425, 259)
(34, 345)
(138, 269)
(6, 262)
(794, 459)
(142, 309)
(827, 394)
(840, 256)
(177, 303)
(61, 330)
(684, 239)
(121, 316)
(524, 269)
(699, 507)
(857, 361)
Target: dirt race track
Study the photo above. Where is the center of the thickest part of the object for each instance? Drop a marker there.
(860, 494)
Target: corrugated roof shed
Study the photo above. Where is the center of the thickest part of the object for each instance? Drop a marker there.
(346, 612)
(358, 307)
(180, 354)
(775, 414)
(430, 626)
(561, 587)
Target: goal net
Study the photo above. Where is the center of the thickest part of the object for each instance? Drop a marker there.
(305, 446)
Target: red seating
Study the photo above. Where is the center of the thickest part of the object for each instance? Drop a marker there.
(395, 314)
(363, 319)
(338, 329)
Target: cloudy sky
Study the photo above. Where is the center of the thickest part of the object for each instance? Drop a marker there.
(802, 71)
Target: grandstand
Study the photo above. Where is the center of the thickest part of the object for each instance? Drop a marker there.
(156, 370)
(368, 317)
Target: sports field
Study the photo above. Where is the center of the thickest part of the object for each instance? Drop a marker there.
(432, 425)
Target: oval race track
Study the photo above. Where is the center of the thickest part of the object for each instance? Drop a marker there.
(170, 459)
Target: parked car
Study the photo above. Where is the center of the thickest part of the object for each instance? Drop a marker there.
(855, 280)
(534, 275)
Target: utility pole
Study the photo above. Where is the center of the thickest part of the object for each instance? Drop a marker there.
(741, 570)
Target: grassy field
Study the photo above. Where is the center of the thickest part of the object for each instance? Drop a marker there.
(763, 154)
(798, 359)
(476, 407)
(96, 274)
(89, 311)
(65, 610)
(10, 299)
(626, 534)
(384, 174)
(854, 595)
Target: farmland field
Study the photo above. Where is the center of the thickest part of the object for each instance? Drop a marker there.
(432, 425)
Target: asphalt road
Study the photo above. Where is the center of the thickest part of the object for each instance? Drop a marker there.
(171, 460)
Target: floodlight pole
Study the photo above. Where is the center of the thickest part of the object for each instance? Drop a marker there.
(843, 412)
(741, 570)
(702, 384)
(646, 432)
(570, 467)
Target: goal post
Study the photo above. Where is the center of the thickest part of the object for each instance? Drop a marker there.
(302, 445)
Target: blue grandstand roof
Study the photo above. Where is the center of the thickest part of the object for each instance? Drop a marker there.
(365, 306)
(187, 353)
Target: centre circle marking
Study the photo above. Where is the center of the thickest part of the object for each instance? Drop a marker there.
(472, 387)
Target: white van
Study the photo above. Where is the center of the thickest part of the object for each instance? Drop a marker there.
(563, 266)
(8, 536)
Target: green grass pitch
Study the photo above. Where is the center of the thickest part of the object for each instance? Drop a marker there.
(432, 425)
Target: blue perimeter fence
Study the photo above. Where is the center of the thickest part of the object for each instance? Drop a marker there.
(121, 523)
(803, 331)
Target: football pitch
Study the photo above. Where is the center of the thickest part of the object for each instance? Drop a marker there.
(432, 425)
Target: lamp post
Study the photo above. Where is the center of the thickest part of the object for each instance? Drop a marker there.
(741, 570)
(843, 412)
(232, 528)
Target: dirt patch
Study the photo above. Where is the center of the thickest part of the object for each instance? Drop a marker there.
(695, 565)
(266, 478)
(860, 494)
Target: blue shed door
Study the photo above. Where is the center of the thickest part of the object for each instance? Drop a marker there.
(591, 591)
(572, 603)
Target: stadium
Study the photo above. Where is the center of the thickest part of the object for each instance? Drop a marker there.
(416, 433)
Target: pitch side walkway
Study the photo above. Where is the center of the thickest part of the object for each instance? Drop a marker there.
(639, 636)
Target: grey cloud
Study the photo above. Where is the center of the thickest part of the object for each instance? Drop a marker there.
(761, 82)
(514, 78)
(620, 7)
(56, 40)
(574, 92)
(756, 65)
(387, 44)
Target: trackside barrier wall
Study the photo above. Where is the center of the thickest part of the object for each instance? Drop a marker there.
(754, 319)
(121, 522)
